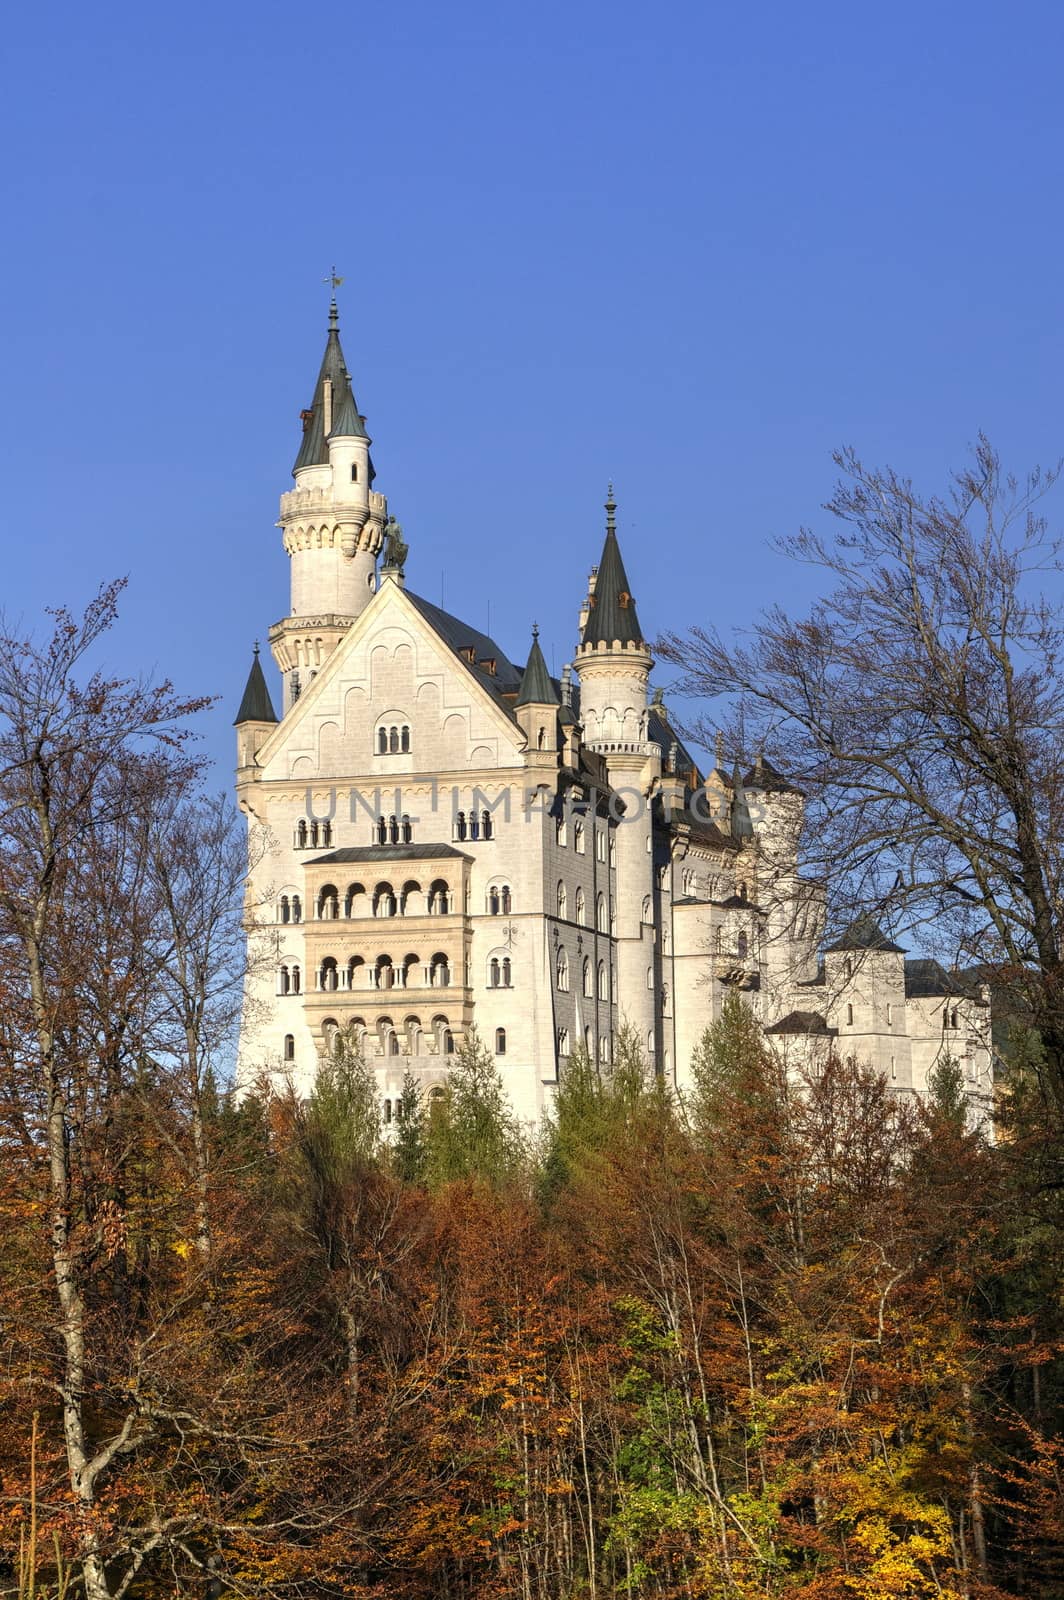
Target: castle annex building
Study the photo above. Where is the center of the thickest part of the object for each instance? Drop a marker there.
(441, 837)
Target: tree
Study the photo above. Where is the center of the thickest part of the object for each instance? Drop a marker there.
(473, 1133)
(920, 705)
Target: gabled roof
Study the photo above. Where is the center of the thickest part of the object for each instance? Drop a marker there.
(472, 647)
(803, 1022)
(256, 706)
(927, 979)
(764, 777)
(864, 933)
(611, 614)
(537, 688)
(314, 450)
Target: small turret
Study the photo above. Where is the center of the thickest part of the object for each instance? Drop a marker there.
(256, 716)
(537, 703)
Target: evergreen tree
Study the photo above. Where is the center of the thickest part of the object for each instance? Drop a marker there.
(408, 1154)
(474, 1134)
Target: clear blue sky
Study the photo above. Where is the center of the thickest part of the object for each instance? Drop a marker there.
(692, 247)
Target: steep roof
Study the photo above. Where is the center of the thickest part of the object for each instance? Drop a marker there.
(611, 615)
(864, 933)
(803, 1022)
(927, 979)
(472, 647)
(764, 777)
(347, 424)
(536, 686)
(256, 706)
(314, 450)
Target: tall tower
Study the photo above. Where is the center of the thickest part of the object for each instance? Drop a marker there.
(332, 522)
(614, 662)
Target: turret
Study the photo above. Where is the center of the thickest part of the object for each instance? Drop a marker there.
(613, 658)
(256, 719)
(332, 521)
(537, 705)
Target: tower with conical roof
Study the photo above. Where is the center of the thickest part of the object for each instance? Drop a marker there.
(614, 662)
(613, 659)
(536, 708)
(332, 523)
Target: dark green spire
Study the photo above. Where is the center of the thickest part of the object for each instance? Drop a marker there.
(741, 825)
(256, 705)
(314, 451)
(536, 686)
(611, 617)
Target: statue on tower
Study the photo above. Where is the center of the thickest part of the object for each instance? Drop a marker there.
(396, 549)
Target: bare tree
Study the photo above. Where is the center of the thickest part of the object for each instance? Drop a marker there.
(920, 705)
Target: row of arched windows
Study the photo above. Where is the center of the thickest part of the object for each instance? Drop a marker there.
(383, 973)
(605, 840)
(588, 972)
(388, 1037)
(474, 825)
(393, 739)
(383, 901)
(313, 835)
(605, 916)
(565, 1048)
(290, 909)
(394, 830)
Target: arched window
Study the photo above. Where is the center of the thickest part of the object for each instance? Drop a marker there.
(613, 849)
(666, 1000)
(439, 971)
(561, 832)
(602, 989)
(295, 980)
(650, 977)
(406, 829)
(439, 898)
(404, 740)
(393, 741)
(313, 834)
(393, 1043)
(289, 1046)
(587, 987)
(742, 945)
(328, 975)
(328, 903)
(563, 1041)
(284, 910)
(562, 969)
(493, 973)
(493, 901)
(301, 834)
(383, 973)
(581, 908)
(382, 831)
(326, 832)
(474, 825)
(284, 981)
(647, 914)
(600, 914)
(382, 741)
(500, 1041)
(460, 825)
(600, 844)
(297, 909)
(384, 903)
(650, 1044)
(354, 972)
(588, 1043)
(849, 1016)
(578, 837)
(487, 827)
(563, 901)
(541, 738)
(506, 973)
(448, 1042)
(393, 830)
(604, 1050)
(505, 897)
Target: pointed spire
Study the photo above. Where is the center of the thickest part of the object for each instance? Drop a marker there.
(536, 686)
(612, 617)
(314, 451)
(741, 825)
(256, 705)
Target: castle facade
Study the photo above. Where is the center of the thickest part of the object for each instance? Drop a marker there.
(440, 838)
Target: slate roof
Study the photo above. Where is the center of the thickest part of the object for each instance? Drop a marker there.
(536, 686)
(611, 615)
(928, 979)
(347, 424)
(462, 638)
(314, 450)
(803, 1022)
(764, 777)
(388, 852)
(256, 706)
(864, 933)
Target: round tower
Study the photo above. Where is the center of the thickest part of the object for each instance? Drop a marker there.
(332, 524)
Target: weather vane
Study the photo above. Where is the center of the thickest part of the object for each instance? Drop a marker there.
(333, 279)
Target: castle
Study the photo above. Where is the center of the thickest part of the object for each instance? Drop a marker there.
(442, 838)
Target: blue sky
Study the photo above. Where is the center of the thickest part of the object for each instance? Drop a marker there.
(691, 247)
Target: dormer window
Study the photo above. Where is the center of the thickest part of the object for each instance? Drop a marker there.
(625, 599)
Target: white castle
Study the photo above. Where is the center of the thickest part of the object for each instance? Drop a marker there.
(442, 839)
